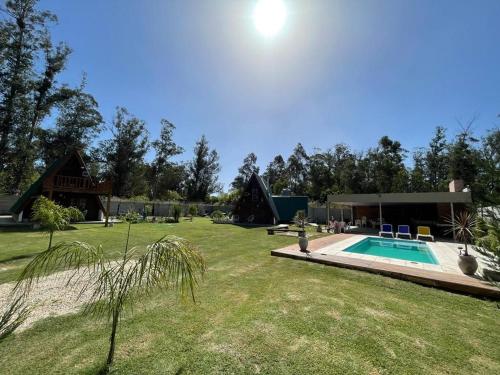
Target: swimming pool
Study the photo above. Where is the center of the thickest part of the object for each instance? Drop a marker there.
(414, 251)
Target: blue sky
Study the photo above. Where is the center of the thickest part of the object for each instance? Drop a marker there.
(339, 71)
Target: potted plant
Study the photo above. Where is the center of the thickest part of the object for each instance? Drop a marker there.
(463, 226)
(300, 220)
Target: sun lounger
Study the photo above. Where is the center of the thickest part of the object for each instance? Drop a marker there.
(386, 230)
(424, 232)
(403, 231)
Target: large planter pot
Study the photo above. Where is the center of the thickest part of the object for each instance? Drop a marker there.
(468, 264)
(303, 243)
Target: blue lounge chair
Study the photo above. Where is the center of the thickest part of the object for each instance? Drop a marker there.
(386, 229)
(403, 231)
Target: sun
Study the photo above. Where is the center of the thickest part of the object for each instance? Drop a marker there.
(269, 17)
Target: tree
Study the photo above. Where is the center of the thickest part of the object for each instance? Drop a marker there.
(245, 172)
(275, 174)
(27, 95)
(418, 182)
(487, 183)
(169, 263)
(53, 217)
(77, 124)
(163, 175)
(463, 158)
(436, 162)
(297, 170)
(123, 154)
(388, 167)
(203, 172)
(23, 33)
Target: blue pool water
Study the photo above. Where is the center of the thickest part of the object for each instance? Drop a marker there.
(415, 251)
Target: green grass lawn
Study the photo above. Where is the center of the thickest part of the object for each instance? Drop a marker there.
(259, 314)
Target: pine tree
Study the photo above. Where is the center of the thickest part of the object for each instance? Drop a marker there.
(123, 154)
(463, 158)
(203, 172)
(245, 172)
(77, 124)
(388, 170)
(26, 94)
(275, 174)
(297, 170)
(436, 162)
(163, 174)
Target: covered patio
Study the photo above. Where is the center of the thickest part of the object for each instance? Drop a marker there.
(369, 211)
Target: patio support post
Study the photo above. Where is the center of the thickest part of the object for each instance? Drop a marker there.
(352, 215)
(108, 207)
(380, 214)
(452, 220)
(327, 212)
(341, 213)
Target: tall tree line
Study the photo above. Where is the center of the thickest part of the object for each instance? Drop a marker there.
(382, 169)
(30, 95)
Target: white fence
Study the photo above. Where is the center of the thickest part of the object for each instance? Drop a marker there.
(6, 202)
(122, 206)
(319, 214)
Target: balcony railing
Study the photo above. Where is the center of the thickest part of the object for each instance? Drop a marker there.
(76, 185)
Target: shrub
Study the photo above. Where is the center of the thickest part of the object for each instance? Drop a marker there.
(176, 211)
(217, 214)
(487, 235)
(192, 210)
(171, 195)
(170, 219)
(223, 220)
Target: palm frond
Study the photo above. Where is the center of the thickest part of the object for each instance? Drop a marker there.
(15, 314)
(79, 256)
(463, 225)
(169, 263)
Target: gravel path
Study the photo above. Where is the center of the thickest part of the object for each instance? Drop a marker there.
(50, 297)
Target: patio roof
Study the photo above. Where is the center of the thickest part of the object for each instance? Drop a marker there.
(394, 198)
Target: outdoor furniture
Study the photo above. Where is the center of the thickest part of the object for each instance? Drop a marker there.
(357, 222)
(424, 232)
(363, 221)
(273, 230)
(332, 225)
(404, 231)
(386, 230)
(343, 226)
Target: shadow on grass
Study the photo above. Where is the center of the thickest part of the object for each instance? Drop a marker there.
(19, 257)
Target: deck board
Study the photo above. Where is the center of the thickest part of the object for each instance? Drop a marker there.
(442, 280)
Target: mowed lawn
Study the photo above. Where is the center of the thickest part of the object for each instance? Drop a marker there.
(258, 314)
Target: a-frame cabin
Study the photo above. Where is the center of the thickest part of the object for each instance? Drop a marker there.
(68, 182)
(256, 204)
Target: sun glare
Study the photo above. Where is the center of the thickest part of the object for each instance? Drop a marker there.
(269, 17)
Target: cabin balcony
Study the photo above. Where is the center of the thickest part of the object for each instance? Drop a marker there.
(76, 185)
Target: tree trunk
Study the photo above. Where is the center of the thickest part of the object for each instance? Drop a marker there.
(50, 240)
(112, 339)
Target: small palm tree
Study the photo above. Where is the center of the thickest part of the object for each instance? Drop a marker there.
(54, 217)
(463, 226)
(169, 263)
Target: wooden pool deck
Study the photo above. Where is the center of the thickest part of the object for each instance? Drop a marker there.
(442, 280)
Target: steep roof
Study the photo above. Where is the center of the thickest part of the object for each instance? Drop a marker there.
(267, 195)
(35, 188)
